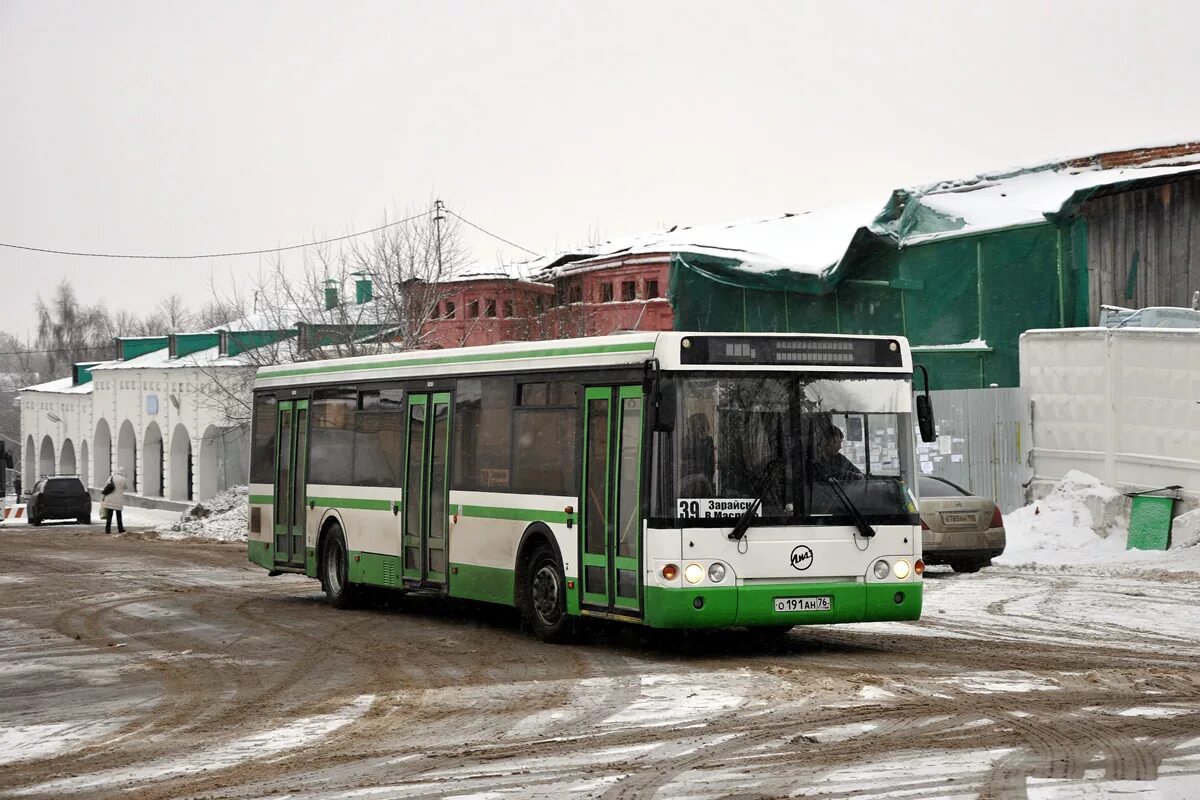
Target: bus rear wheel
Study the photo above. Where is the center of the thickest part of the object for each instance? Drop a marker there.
(544, 601)
(335, 570)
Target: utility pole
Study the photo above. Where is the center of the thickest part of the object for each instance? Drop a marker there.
(438, 217)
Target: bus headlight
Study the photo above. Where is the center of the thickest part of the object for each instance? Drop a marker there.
(693, 573)
(716, 572)
(881, 569)
(901, 569)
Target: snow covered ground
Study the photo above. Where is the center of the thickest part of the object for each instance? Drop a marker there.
(1082, 523)
(1064, 671)
(223, 518)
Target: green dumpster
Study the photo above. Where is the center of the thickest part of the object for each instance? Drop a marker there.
(1150, 518)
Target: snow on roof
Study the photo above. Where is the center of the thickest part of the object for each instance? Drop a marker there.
(811, 242)
(161, 359)
(815, 242)
(1026, 197)
(61, 386)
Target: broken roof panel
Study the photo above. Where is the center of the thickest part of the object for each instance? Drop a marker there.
(811, 243)
(811, 246)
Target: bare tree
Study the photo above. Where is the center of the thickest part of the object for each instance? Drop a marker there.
(406, 265)
(19, 367)
(69, 332)
(409, 266)
(174, 313)
(216, 313)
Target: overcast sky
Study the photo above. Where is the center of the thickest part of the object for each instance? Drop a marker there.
(178, 128)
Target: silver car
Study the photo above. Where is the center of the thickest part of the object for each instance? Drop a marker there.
(958, 528)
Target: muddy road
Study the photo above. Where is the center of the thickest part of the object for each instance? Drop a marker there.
(135, 667)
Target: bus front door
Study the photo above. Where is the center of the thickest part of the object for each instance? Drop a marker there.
(611, 524)
(426, 504)
(291, 479)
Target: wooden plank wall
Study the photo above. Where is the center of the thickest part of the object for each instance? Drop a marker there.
(1160, 228)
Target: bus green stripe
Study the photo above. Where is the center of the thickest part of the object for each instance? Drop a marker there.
(335, 502)
(352, 502)
(520, 514)
(475, 358)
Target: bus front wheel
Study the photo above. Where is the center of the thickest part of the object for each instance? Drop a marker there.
(335, 570)
(545, 597)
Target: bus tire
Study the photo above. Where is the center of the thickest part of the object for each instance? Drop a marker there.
(335, 570)
(544, 601)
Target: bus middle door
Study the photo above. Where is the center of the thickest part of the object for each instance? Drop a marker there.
(291, 482)
(425, 517)
(611, 528)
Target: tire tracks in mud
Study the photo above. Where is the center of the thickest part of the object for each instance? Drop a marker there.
(449, 691)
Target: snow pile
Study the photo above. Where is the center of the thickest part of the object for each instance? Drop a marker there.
(222, 518)
(1083, 522)
(1185, 530)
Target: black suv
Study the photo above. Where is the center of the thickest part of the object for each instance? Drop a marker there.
(58, 497)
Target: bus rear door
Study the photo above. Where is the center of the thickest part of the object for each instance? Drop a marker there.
(291, 480)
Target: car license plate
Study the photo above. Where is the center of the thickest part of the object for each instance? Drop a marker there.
(786, 604)
(957, 519)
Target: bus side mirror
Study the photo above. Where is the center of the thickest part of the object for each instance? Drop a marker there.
(925, 418)
(925, 410)
(664, 405)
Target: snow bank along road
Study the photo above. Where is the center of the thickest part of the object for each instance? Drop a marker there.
(155, 669)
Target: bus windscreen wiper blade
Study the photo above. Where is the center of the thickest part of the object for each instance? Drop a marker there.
(743, 524)
(864, 528)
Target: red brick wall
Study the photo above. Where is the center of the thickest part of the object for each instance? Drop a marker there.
(591, 303)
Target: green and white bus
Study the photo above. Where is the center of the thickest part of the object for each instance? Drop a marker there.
(674, 480)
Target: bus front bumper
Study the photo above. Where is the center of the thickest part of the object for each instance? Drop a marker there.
(754, 606)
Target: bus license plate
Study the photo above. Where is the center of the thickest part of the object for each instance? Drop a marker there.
(786, 604)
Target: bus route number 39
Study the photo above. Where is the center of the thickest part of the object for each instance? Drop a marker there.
(714, 508)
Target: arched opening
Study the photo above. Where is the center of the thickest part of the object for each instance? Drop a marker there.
(181, 464)
(102, 452)
(152, 461)
(46, 458)
(207, 468)
(84, 464)
(66, 463)
(127, 455)
(30, 465)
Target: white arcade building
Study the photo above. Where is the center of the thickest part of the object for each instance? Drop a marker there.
(156, 411)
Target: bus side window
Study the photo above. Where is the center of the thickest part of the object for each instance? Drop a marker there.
(332, 440)
(379, 438)
(483, 414)
(263, 440)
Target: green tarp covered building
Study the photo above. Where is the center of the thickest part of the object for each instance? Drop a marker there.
(961, 268)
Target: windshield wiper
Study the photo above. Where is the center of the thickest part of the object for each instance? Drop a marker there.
(743, 524)
(864, 528)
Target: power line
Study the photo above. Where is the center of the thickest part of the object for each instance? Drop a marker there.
(222, 255)
(494, 236)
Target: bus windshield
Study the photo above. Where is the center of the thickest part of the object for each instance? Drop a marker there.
(786, 441)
